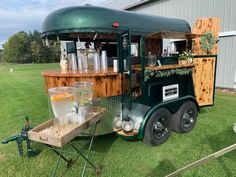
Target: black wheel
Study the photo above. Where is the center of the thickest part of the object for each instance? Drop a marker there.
(158, 128)
(185, 118)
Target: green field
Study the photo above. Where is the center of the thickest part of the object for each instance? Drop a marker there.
(22, 93)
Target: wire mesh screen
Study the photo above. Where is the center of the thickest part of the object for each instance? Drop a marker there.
(113, 106)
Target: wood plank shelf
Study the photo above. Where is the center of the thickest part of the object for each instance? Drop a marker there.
(165, 67)
(126, 134)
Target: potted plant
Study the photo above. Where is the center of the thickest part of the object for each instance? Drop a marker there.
(186, 57)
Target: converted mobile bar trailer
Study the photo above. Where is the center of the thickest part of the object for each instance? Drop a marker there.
(151, 100)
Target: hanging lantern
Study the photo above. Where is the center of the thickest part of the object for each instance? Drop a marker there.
(127, 125)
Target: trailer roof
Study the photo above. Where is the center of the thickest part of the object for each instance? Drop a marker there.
(97, 19)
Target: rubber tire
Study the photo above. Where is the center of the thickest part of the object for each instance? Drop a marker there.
(177, 121)
(148, 133)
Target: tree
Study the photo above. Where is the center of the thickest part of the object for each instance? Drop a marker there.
(15, 49)
(27, 48)
(1, 55)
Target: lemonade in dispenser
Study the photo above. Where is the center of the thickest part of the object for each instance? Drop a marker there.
(63, 105)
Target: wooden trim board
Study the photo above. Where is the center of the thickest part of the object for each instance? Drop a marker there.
(204, 160)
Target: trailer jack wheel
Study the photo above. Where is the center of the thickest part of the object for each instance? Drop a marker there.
(185, 118)
(158, 128)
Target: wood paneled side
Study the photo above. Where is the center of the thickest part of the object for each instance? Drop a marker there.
(104, 86)
(205, 25)
(204, 72)
(203, 76)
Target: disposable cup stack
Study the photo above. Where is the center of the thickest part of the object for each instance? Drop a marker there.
(104, 66)
(96, 61)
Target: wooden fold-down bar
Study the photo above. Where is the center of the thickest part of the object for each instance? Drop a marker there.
(105, 83)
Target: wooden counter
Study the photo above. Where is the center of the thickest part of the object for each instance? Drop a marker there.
(105, 83)
(70, 73)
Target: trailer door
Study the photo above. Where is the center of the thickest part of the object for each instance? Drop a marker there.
(125, 68)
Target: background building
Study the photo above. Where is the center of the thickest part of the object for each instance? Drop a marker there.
(191, 10)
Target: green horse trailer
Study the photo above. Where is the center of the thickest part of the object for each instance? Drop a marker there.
(146, 91)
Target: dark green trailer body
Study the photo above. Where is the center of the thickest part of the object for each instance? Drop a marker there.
(64, 23)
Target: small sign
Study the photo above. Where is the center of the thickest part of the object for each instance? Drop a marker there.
(170, 92)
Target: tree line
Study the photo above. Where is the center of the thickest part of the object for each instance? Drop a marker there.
(29, 47)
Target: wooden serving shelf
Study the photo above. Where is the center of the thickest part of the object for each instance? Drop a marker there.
(165, 67)
(68, 132)
(125, 134)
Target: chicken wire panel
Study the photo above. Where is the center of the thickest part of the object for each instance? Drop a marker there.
(114, 107)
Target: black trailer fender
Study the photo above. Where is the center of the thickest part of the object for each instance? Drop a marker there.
(172, 105)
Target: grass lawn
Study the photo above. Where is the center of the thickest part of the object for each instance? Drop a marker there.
(22, 93)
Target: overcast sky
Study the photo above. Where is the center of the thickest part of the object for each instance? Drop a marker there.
(26, 15)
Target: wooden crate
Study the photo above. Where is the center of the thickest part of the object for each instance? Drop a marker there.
(69, 132)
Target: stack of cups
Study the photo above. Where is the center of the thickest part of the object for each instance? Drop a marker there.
(96, 61)
(73, 62)
(104, 61)
(85, 63)
(80, 64)
(115, 65)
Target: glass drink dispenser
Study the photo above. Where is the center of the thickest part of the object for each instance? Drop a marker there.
(63, 105)
(83, 97)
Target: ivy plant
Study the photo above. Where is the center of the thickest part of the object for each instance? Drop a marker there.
(148, 74)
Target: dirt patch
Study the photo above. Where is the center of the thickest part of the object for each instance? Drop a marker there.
(226, 90)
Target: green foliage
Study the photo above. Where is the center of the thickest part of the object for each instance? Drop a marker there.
(207, 41)
(185, 56)
(28, 48)
(1, 55)
(165, 73)
(15, 49)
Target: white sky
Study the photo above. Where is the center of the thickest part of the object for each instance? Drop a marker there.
(28, 15)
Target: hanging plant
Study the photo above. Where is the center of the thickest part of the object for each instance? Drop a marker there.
(207, 41)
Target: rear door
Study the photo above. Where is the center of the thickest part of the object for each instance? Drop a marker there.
(125, 68)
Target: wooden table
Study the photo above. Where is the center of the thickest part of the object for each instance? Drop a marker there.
(56, 143)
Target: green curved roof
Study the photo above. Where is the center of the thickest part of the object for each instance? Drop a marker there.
(90, 18)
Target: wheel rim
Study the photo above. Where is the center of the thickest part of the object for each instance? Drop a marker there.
(188, 118)
(160, 127)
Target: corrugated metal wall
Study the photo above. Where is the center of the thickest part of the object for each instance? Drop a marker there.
(191, 10)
